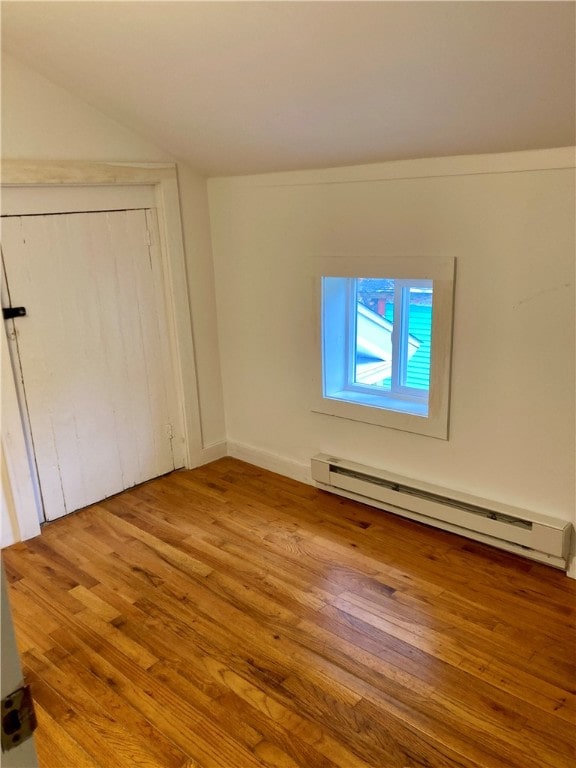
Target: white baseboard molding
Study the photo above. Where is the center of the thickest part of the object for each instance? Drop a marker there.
(208, 454)
(271, 461)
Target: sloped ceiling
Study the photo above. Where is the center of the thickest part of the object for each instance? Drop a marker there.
(250, 87)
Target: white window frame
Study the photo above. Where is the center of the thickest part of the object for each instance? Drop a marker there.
(402, 408)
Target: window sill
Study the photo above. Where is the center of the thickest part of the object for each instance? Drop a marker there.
(344, 405)
(380, 401)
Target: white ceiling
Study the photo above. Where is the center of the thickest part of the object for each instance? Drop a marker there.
(249, 87)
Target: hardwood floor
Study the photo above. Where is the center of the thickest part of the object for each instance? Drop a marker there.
(227, 617)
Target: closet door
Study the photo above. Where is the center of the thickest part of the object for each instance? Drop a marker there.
(93, 350)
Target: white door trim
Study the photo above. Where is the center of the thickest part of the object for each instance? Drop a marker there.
(31, 200)
(162, 178)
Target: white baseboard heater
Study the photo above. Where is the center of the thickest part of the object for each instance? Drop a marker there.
(542, 538)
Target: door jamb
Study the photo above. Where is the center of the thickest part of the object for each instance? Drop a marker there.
(163, 178)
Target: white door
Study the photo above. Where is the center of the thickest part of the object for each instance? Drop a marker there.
(22, 755)
(94, 351)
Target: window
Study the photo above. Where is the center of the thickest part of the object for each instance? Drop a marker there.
(385, 345)
(386, 350)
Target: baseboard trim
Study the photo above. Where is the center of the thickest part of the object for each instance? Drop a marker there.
(271, 461)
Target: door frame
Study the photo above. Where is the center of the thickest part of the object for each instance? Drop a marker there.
(162, 177)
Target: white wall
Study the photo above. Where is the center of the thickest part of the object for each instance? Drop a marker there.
(42, 121)
(512, 233)
(512, 420)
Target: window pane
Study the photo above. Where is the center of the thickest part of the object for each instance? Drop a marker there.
(419, 338)
(373, 335)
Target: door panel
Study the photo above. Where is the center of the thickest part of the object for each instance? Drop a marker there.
(94, 352)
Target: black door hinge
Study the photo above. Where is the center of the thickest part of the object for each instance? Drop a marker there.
(9, 312)
(18, 718)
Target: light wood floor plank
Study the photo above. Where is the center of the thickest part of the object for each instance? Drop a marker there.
(228, 617)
